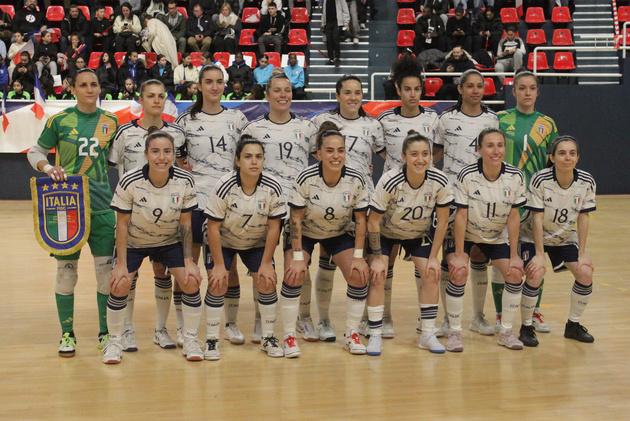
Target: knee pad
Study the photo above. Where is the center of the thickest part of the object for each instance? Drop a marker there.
(103, 270)
(66, 276)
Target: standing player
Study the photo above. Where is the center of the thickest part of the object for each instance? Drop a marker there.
(560, 199)
(488, 194)
(244, 213)
(82, 136)
(127, 153)
(363, 137)
(407, 73)
(287, 138)
(212, 132)
(528, 135)
(456, 142)
(401, 212)
(325, 198)
(153, 205)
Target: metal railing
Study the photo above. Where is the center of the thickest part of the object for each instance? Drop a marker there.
(624, 38)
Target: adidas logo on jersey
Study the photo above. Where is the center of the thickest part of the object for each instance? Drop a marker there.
(138, 145)
(548, 199)
(316, 197)
(401, 200)
(397, 130)
(143, 200)
(74, 131)
(200, 129)
(458, 129)
(267, 136)
(234, 206)
(477, 192)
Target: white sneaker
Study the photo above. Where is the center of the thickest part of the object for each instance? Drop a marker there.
(353, 343)
(508, 339)
(128, 341)
(164, 340)
(232, 334)
(375, 345)
(454, 343)
(180, 337)
(212, 351)
(112, 352)
(257, 335)
(497, 323)
(271, 347)
(355, 41)
(430, 342)
(291, 348)
(192, 349)
(364, 328)
(362, 26)
(67, 345)
(307, 329)
(388, 327)
(539, 323)
(326, 331)
(444, 328)
(481, 325)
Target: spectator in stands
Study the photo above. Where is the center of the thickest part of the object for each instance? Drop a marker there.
(186, 71)
(187, 91)
(127, 28)
(335, 16)
(510, 53)
(487, 31)
(229, 26)
(352, 35)
(107, 73)
(132, 68)
(295, 73)
(46, 55)
(66, 93)
(209, 7)
(264, 6)
(4, 75)
(429, 32)
(241, 72)
(176, 23)
(457, 61)
(24, 71)
(100, 32)
(129, 90)
(28, 19)
(157, 37)
(18, 91)
(237, 93)
(6, 28)
(207, 58)
(163, 71)
(362, 9)
(257, 93)
(80, 63)
(270, 30)
(75, 51)
(458, 30)
(13, 50)
(440, 8)
(74, 22)
(200, 29)
(262, 73)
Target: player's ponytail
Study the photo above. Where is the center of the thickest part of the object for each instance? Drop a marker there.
(155, 133)
(328, 128)
(413, 136)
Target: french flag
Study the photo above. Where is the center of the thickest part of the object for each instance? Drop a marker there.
(40, 102)
(169, 114)
(5, 119)
(81, 48)
(519, 8)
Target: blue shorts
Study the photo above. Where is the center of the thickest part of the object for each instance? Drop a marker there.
(171, 256)
(332, 246)
(417, 247)
(251, 258)
(557, 254)
(197, 222)
(491, 251)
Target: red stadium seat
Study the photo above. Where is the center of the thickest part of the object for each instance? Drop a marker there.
(95, 58)
(85, 10)
(431, 86)
(406, 17)
(251, 15)
(541, 64)
(274, 58)
(252, 56)
(488, 87)
(561, 15)
(109, 10)
(8, 8)
(405, 38)
(535, 15)
(55, 13)
(563, 61)
(299, 15)
(183, 11)
(623, 14)
(56, 34)
(297, 37)
(196, 58)
(508, 81)
(150, 58)
(179, 58)
(536, 37)
(119, 57)
(509, 15)
(562, 37)
(224, 58)
(247, 37)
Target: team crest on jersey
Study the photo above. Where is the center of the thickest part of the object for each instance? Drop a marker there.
(230, 125)
(507, 193)
(426, 128)
(298, 134)
(427, 197)
(346, 197)
(526, 255)
(262, 205)
(366, 131)
(105, 129)
(541, 129)
(175, 198)
(577, 200)
(61, 213)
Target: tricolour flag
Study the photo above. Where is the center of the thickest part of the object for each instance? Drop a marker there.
(346, 197)
(40, 102)
(28, 47)
(5, 119)
(519, 8)
(169, 114)
(81, 48)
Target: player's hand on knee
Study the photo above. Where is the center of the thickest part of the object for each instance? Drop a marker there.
(378, 271)
(433, 269)
(515, 267)
(536, 267)
(267, 276)
(218, 278)
(363, 272)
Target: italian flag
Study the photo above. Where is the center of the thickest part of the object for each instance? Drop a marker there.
(62, 224)
(346, 197)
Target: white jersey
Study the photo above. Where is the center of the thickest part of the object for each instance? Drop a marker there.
(364, 136)
(329, 209)
(407, 212)
(244, 218)
(210, 146)
(155, 211)
(489, 202)
(561, 206)
(457, 134)
(127, 151)
(396, 127)
(287, 147)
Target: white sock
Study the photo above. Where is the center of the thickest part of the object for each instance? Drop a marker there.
(511, 302)
(428, 314)
(324, 286)
(131, 298)
(232, 298)
(528, 303)
(116, 316)
(163, 294)
(177, 302)
(389, 282)
(290, 307)
(479, 281)
(214, 307)
(355, 304)
(305, 297)
(191, 311)
(455, 305)
(580, 294)
(375, 319)
(268, 307)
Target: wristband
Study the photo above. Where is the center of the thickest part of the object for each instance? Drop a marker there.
(298, 255)
(358, 253)
(47, 168)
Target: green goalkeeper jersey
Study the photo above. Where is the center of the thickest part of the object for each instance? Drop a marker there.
(82, 142)
(528, 138)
